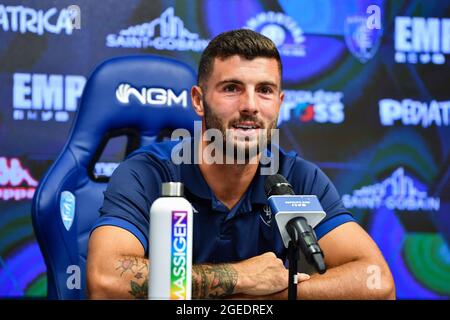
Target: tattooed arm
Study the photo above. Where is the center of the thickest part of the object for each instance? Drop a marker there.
(116, 265)
(118, 269)
(261, 275)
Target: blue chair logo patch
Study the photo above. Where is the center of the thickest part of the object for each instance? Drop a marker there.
(67, 209)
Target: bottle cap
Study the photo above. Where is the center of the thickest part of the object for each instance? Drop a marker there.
(172, 189)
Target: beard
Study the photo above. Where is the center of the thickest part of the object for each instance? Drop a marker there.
(242, 146)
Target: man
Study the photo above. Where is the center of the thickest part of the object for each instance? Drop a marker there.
(238, 252)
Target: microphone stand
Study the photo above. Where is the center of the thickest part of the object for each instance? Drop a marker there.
(293, 257)
(301, 239)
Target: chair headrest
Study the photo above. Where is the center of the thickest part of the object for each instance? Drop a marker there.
(145, 93)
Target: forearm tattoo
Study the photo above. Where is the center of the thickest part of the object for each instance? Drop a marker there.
(137, 268)
(208, 281)
(213, 281)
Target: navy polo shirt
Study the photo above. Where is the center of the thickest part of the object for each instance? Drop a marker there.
(220, 234)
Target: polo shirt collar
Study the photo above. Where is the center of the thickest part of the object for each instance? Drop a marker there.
(286, 162)
(197, 185)
(194, 181)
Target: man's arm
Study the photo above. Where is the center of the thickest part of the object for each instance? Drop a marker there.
(118, 269)
(116, 266)
(356, 269)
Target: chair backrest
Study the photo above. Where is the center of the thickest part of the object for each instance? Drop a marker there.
(135, 95)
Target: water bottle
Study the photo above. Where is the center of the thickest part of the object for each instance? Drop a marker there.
(170, 245)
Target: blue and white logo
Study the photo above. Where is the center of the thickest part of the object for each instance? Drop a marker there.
(282, 30)
(152, 96)
(411, 112)
(267, 217)
(397, 192)
(164, 33)
(362, 41)
(318, 106)
(46, 97)
(421, 40)
(23, 20)
(67, 209)
(286, 207)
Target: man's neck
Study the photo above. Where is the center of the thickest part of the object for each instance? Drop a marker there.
(229, 182)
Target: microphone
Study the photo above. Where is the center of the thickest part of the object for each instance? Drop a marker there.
(296, 215)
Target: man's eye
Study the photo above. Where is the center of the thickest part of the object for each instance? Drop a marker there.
(230, 88)
(266, 90)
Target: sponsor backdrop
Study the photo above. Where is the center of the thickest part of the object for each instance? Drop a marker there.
(367, 99)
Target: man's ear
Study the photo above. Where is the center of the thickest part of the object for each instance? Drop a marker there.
(197, 101)
(281, 101)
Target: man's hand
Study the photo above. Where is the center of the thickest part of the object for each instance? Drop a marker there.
(256, 277)
(262, 275)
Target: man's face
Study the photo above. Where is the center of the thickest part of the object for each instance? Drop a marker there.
(242, 99)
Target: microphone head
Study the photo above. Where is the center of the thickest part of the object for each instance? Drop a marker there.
(277, 185)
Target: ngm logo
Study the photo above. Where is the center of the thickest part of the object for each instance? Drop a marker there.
(151, 96)
(28, 20)
(179, 258)
(164, 33)
(46, 97)
(282, 30)
(421, 40)
(12, 179)
(312, 106)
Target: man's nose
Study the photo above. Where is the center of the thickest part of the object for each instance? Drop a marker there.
(249, 104)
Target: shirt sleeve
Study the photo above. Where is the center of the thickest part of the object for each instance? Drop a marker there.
(132, 188)
(312, 180)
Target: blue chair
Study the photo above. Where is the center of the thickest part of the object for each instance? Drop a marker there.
(135, 96)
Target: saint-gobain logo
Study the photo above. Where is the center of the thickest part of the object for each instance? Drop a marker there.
(178, 268)
(282, 30)
(164, 33)
(151, 96)
(397, 192)
(67, 208)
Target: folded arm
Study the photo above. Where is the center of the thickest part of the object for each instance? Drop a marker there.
(356, 269)
(118, 269)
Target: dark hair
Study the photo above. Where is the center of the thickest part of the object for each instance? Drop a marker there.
(242, 42)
